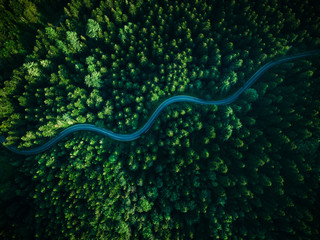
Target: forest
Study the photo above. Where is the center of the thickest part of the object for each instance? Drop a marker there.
(247, 170)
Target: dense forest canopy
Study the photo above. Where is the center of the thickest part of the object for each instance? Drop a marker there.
(248, 170)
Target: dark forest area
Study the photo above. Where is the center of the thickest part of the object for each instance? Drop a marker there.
(247, 170)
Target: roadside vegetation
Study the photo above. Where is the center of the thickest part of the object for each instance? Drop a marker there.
(249, 170)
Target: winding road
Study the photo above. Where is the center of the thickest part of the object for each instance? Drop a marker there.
(148, 124)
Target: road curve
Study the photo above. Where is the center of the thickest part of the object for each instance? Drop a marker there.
(148, 124)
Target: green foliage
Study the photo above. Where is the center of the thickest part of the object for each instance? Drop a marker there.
(251, 95)
(93, 29)
(51, 32)
(248, 170)
(74, 40)
(93, 80)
